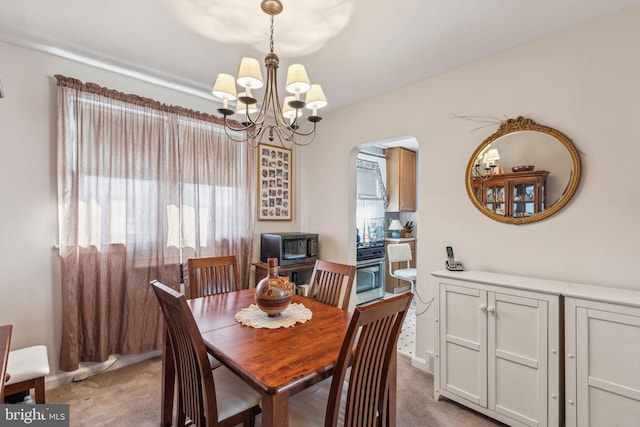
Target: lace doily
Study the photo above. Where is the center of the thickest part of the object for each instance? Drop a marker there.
(256, 318)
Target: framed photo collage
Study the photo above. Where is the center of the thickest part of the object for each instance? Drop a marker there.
(274, 183)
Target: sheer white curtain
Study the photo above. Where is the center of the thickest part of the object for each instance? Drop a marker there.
(218, 211)
(137, 181)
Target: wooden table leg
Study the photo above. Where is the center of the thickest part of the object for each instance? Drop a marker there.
(275, 410)
(168, 383)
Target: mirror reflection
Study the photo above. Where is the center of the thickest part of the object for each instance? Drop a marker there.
(523, 173)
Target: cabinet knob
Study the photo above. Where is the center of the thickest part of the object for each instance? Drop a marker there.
(570, 356)
(491, 309)
(570, 402)
(483, 307)
(553, 396)
(553, 350)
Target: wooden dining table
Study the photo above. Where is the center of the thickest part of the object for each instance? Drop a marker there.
(276, 362)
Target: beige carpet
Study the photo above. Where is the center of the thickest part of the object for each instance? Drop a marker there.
(130, 396)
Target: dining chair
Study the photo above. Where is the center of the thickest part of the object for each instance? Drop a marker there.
(208, 398)
(27, 368)
(205, 276)
(401, 253)
(212, 275)
(368, 397)
(331, 283)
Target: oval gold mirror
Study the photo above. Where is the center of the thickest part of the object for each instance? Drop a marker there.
(524, 172)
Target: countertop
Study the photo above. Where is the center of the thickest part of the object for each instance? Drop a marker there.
(399, 239)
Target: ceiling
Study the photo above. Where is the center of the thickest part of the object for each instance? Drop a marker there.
(377, 46)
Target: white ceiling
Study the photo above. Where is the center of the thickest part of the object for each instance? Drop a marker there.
(385, 45)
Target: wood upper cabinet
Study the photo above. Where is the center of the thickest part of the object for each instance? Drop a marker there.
(401, 179)
(512, 194)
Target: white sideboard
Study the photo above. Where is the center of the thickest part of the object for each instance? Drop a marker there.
(504, 348)
(602, 356)
(498, 346)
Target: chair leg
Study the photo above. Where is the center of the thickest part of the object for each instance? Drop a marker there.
(168, 383)
(39, 390)
(35, 383)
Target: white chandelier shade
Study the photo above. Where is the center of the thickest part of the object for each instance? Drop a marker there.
(272, 118)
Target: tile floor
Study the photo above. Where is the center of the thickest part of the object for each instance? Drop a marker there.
(407, 339)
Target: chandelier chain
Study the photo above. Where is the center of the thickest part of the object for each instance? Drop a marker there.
(271, 38)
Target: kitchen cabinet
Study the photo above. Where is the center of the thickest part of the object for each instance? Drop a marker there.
(401, 179)
(392, 284)
(514, 195)
(602, 356)
(497, 346)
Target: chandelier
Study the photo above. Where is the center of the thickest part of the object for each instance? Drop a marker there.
(284, 123)
(491, 167)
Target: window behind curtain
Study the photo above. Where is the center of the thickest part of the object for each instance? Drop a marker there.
(142, 187)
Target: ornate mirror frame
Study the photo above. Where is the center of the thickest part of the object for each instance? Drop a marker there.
(517, 125)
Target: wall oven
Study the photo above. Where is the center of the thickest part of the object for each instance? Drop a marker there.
(370, 275)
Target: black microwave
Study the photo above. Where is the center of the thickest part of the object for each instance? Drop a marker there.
(290, 248)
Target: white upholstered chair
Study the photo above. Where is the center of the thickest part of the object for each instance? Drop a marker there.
(401, 253)
(27, 368)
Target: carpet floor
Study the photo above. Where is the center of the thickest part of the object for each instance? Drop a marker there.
(130, 396)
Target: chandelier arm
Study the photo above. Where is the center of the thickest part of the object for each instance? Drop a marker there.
(233, 138)
(228, 126)
(278, 126)
(292, 134)
(311, 132)
(278, 132)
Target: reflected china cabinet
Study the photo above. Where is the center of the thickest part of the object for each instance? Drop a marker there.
(514, 195)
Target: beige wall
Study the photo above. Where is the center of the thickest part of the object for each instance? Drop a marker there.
(583, 81)
(30, 284)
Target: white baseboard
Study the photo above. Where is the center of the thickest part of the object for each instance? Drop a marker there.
(89, 369)
(419, 363)
(423, 364)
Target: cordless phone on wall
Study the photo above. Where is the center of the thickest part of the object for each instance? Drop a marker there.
(451, 262)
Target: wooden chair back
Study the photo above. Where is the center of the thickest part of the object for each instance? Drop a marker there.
(374, 331)
(196, 392)
(331, 283)
(210, 276)
(5, 346)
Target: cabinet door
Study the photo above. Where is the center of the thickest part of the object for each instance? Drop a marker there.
(494, 197)
(407, 179)
(608, 368)
(517, 357)
(463, 342)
